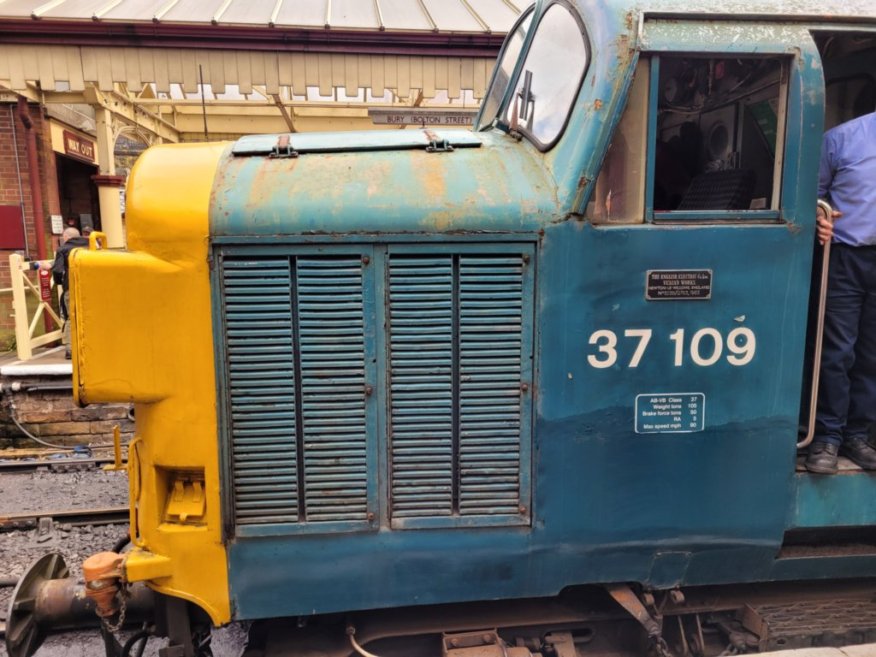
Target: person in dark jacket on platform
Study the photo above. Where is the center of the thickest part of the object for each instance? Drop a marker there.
(70, 239)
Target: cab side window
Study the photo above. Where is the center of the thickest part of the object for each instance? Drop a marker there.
(701, 140)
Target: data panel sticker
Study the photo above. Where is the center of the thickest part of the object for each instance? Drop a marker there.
(670, 412)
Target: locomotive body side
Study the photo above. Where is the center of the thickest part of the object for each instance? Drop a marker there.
(392, 369)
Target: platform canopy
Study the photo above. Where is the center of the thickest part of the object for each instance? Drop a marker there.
(375, 45)
(250, 66)
(405, 15)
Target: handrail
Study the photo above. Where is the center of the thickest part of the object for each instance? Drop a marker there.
(819, 332)
(25, 342)
(96, 241)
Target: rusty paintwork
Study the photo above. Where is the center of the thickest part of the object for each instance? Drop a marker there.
(497, 187)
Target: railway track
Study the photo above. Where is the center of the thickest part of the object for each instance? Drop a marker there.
(52, 465)
(75, 518)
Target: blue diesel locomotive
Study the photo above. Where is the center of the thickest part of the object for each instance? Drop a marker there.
(529, 389)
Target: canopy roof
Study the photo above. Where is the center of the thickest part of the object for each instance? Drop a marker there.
(471, 16)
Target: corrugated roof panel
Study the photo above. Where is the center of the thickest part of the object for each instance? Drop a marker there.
(403, 15)
(75, 9)
(20, 8)
(354, 14)
(249, 12)
(311, 13)
(452, 16)
(134, 10)
(495, 13)
(191, 12)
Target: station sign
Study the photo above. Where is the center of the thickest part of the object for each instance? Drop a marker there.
(78, 147)
(422, 117)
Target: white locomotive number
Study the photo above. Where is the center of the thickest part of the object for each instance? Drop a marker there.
(705, 347)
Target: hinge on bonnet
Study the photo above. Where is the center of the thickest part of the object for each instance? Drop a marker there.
(283, 148)
(437, 145)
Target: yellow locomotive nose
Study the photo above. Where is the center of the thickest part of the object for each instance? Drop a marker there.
(143, 334)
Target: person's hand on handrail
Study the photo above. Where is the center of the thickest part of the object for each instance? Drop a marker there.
(824, 224)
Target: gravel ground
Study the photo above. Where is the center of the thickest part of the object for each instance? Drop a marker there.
(227, 642)
(62, 491)
(55, 491)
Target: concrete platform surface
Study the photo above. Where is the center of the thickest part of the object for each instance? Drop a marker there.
(47, 361)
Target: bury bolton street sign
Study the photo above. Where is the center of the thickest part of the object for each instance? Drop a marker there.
(424, 117)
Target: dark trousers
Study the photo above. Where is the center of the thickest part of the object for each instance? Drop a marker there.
(847, 390)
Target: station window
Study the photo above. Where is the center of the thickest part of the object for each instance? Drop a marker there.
(701, 139)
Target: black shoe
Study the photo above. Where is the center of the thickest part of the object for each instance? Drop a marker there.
(822, 458)
(68, 355)
(859, 451)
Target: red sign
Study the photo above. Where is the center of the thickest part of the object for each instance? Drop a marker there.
(78, 147)
(11, 230)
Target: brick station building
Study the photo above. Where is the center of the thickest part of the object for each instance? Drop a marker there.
(61, 185)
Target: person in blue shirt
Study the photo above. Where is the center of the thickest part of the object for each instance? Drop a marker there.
(847, 392)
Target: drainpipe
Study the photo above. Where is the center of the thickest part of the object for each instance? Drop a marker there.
(20, 190)
(36, 192)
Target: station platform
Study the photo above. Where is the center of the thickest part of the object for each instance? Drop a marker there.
(47, 361)
(37, 398)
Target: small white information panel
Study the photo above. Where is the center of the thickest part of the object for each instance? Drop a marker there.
(670, 412)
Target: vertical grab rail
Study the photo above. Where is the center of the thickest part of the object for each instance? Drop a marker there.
(819, 332)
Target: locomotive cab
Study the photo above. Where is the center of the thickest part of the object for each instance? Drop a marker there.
(378, 371)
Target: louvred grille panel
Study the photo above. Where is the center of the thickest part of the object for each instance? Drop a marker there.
(332, 388)
(490, 328)
(457, 325)
(261, 381)
(421, 365)
(330, 355)
(296, 372)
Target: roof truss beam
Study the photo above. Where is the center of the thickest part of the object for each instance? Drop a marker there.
(124, 108)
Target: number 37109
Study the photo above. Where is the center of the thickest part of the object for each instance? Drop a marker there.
(704, 348)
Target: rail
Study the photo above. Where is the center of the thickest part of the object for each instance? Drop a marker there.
(26, 339)
(118, 515)
(24, 466)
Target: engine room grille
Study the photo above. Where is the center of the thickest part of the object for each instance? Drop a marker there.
(297, 389)
(261, 382)
(456, 354)
(306, 338)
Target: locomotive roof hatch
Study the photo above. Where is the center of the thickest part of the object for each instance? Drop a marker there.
(346, 142)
